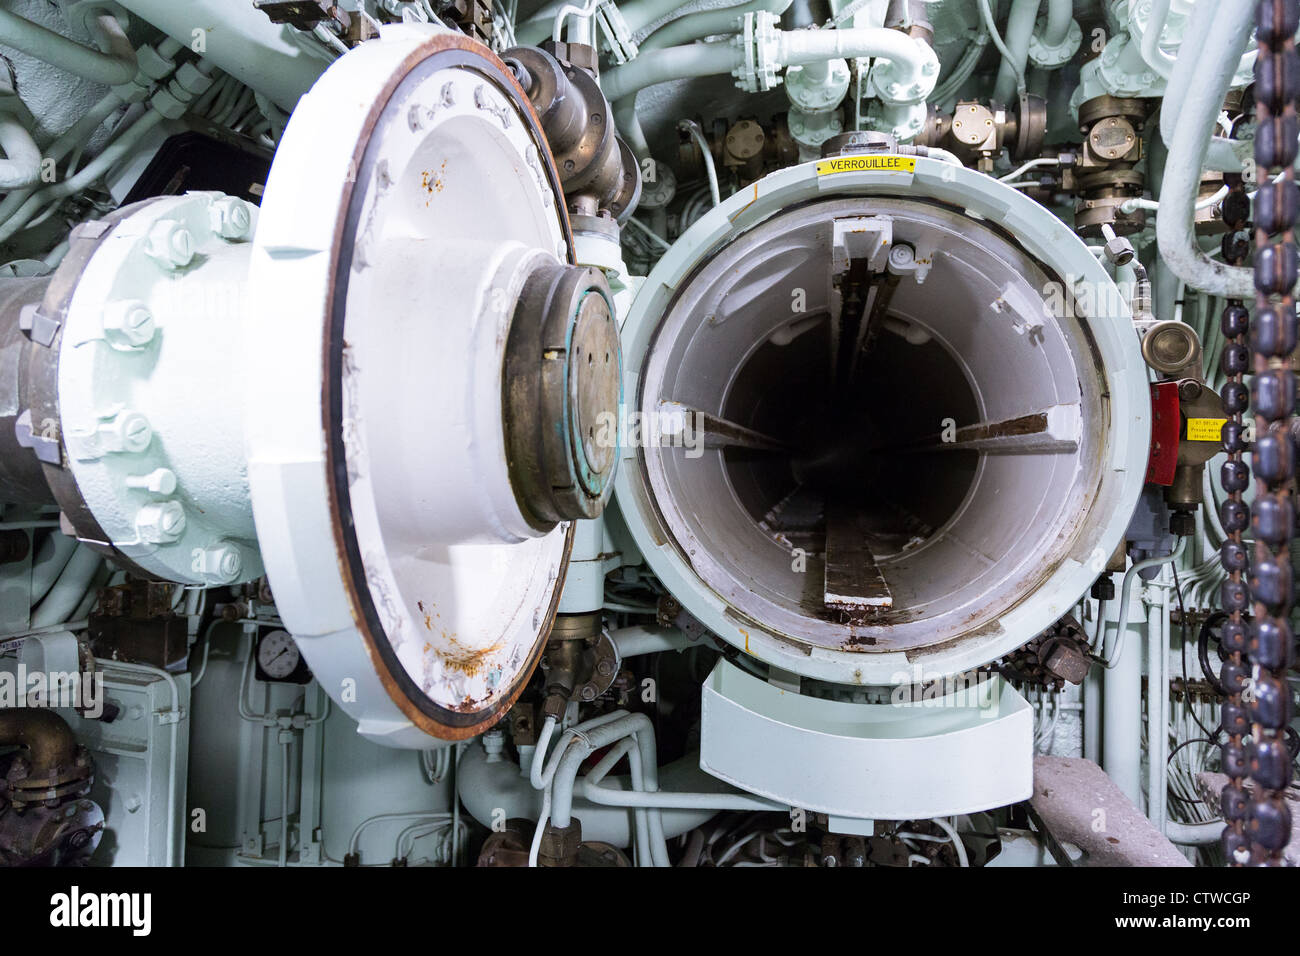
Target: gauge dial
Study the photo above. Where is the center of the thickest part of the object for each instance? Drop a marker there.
(278, 655)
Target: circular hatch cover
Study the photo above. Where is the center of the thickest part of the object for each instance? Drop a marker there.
(412, 202)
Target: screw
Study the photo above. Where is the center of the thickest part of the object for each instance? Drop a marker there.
(128, 322)
(230, 218)
(160, 481)
(170, 244)
(160, 523)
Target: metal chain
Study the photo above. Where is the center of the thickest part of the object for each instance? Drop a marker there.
(1258, 709)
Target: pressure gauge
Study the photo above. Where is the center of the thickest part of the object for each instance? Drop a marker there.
(278, 659)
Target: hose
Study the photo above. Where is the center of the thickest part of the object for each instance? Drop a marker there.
(115, 66)
(1129, 577)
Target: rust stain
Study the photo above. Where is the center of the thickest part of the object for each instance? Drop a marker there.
(468, 660)
(432, 182)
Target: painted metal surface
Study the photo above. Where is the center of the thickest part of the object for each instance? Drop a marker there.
(408, 197)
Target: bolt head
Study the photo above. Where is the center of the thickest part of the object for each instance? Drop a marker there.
(128, 323)
(160, 522)
(170, 244)
(231, 219)
(126, 431)
(222, 562)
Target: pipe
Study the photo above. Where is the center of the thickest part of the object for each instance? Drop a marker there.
(114, 66)
(1129, 577)
(1020, 28)
(909, 59)
(44, 734)
(634, 725)
(1194, 834)
(113, 152)
(697, 26)
(706, 156)
(68, 590)
(51, 558)
(1156, 58)
(638, 640)
(284, 800)
(242, 41)
(1157, 711)
(663, 799)
(1121, 753)
(1175, 231)
(485, 787)
(22, 163)
(1060, 14)
(1196, 36)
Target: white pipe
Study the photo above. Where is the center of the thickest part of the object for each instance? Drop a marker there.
(1175, 231)
(638, 639)
(485, 787)
(1157, 712)
(1121, 753)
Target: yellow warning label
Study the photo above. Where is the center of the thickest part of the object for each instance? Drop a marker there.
(865, 164)
(1204, 429)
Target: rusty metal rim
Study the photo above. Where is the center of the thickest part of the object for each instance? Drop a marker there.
(451, 50)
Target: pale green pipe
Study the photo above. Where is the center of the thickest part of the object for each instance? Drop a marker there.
(113, 67)
(637, 16)
(51, 558)
(1060, 14)
(68, 590)
(1020, 27)
(697, 26)
(22, 163)
(1175, 233)
(96, 168)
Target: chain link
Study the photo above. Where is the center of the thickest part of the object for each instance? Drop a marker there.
(1260, 651)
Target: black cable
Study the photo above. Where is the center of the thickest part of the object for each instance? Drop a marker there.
(1182, 639)
(1203, 651)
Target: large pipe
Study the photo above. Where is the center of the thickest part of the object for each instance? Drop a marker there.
(1020, 27)
(1175, 231)
(697, 26)
(113, 67)
(1121, 753)
(908, 58)
(242, 41)
(69, 590)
